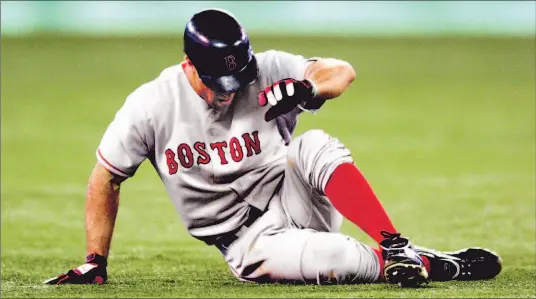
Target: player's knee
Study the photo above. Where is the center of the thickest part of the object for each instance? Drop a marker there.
(338, 259)
(305, 139)
(315, 155)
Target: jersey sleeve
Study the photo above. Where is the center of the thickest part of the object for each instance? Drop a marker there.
(284, 65)
(127, 140)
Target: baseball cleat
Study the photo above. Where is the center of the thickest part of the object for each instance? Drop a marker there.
(403, 266)
(465, 264)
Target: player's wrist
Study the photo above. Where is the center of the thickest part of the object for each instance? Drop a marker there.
(311, 87)
(308, 101)
(95, 258)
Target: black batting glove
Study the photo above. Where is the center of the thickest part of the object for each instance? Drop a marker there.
(285, 95)
(92, 272)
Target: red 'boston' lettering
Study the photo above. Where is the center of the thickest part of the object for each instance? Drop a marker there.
(220, 145)
(252, 144)
(236, 150)
(185, 155)
(203, 158)
(170, 160)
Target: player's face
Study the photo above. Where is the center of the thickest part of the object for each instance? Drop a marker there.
(216, 100)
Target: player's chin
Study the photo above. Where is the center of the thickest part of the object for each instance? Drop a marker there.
(221, 103)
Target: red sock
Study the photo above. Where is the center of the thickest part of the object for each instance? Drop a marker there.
(426, 263)
(378, 253)
(351, 195)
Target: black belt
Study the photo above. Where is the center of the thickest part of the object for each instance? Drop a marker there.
(225, 240)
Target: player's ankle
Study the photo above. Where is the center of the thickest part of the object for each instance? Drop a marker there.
(426, 263)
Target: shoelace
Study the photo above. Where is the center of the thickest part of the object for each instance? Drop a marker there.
(393, 241)
(393, 244)
(389, 235)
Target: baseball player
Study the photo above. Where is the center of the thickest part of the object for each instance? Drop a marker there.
(217, 129)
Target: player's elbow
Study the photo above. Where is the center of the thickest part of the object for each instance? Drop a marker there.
(352, 73)
(349, 72)
(332, 77)
(343, 70)
(346, 75)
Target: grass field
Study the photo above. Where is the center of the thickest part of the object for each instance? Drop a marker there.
(444, 129)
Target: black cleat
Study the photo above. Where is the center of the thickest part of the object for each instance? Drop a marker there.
(465, 264)
(403, 266)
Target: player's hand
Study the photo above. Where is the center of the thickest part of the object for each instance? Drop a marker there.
(285, 95)
(92, 272)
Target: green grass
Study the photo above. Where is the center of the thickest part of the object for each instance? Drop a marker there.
(443, 128)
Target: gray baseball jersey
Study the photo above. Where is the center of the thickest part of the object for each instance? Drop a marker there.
(214, 167)
(217, 168)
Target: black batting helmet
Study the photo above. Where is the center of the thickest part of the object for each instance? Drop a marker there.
(219, 48)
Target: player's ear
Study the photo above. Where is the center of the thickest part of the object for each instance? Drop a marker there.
(188, 61)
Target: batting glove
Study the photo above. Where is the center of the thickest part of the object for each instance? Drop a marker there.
(285, 95)
(92, 272)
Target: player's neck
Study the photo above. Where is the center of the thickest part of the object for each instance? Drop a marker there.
(201, 90)
(193, 79)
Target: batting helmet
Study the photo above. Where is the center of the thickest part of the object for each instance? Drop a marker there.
(219, 48)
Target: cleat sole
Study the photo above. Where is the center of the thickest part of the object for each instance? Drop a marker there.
(406, 275)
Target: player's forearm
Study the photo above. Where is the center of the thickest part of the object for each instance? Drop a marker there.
(331, 77)
(101, 210)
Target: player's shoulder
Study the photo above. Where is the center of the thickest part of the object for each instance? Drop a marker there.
(269, 62)
(274, 59)
(271, 55)
(169, 74)
(158, 89)
(167, 78)
(268, 56)
(278, 64)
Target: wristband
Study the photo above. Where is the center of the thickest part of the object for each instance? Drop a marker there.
(97, 259)
(314, 90)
